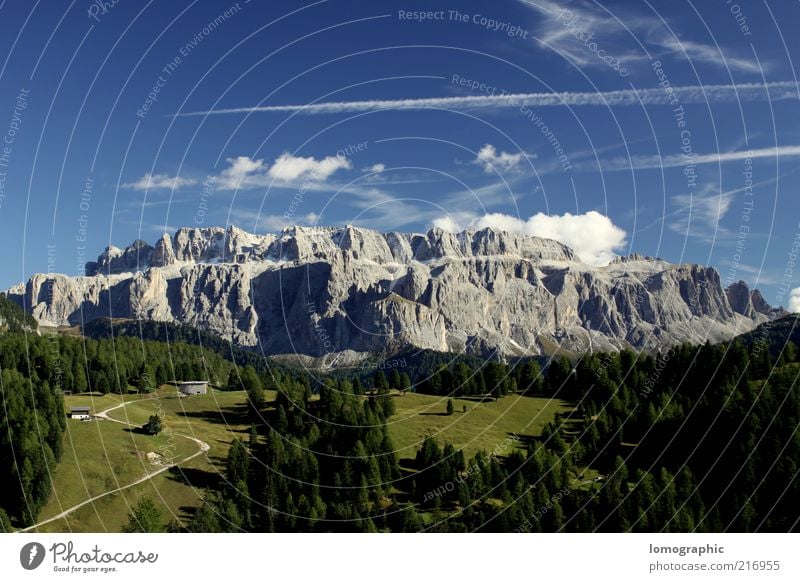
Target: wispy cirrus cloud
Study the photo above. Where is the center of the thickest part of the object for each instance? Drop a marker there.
(678, 160)
(568, 27)
(687, 94)
(160, 182)
(710, 55)
(703, 211)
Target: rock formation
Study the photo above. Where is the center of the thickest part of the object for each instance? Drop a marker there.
(325, 291)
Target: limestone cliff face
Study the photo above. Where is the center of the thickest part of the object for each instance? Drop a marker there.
(324, 291)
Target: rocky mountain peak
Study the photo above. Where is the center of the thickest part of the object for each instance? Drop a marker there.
(476, 291)
(747, 302)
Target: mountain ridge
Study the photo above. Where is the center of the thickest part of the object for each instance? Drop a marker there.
(340, 293)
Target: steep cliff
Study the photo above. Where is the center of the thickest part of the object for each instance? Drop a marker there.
(325, 291)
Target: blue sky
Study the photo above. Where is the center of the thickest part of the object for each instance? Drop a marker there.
(664, 128)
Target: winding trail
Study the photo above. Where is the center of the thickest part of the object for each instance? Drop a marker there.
(204, 447)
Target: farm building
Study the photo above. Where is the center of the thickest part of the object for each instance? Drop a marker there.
(193, 388)
(80, 412)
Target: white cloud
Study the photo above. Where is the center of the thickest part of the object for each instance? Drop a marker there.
(375, 168)
(707, 207)
(794, 300)
(774, 91)
(491, 161)
(244, 172)
(159, 182)
(592, 235)
(240, 173)
(288, 168)
(447, 223)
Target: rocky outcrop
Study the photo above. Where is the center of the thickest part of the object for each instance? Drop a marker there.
(746, 302)
(327, 291)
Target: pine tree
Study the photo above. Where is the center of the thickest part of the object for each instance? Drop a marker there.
(379, 382)
(394, 379)
(145, 381)
(153, 425)
(146, 517)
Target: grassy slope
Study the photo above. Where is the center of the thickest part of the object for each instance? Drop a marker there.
(216, 418)
(219, 417)
(484, 426)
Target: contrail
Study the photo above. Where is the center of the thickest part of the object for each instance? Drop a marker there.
(677, 160)
(774, 91)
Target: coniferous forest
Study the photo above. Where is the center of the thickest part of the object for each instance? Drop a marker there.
(697, 439)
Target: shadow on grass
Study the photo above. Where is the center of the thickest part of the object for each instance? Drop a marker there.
(197, 478)
(136, 430)
(478, 398)
(525, 439)
(226, 416)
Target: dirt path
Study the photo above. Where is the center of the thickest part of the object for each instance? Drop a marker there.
(204, 447)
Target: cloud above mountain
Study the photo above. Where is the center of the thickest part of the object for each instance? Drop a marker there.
(592, 235)
(244, 172)
(493, 161)
(794, 300)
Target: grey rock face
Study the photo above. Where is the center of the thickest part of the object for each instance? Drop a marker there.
(327, 291)
(746, 302)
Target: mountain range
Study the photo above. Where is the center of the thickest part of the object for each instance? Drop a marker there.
(337, 295)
